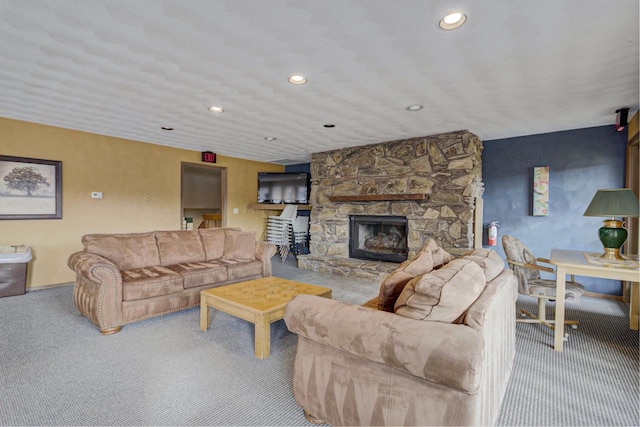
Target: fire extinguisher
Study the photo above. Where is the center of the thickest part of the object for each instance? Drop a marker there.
(493, 233)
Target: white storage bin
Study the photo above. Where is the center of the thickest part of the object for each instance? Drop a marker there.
(13, 269)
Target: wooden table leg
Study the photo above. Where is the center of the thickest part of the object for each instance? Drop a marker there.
(561, 277)
(262, 337)
(204, 314)
(634, 304)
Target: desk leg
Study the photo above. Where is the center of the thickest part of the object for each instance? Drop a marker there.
(634, 303)
(561, 277)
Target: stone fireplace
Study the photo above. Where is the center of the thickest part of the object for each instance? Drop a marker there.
(432, 182)
(378, 237)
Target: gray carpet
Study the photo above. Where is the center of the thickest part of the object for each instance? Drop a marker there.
(56, 369)
(594, 381)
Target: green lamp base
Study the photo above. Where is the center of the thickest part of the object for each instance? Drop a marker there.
(612, 236)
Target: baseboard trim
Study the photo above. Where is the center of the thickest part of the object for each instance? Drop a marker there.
(45, 287)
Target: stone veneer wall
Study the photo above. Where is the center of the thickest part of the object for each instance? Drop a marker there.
(445, 167)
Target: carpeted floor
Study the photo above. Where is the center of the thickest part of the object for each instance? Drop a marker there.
(56, 369)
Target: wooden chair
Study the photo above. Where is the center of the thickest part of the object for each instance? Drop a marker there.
(211, 221)
(527, 270)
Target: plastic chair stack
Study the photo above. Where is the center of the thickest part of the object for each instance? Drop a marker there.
(280, 230)
(300, 232)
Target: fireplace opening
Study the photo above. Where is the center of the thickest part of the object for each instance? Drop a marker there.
(378, 238)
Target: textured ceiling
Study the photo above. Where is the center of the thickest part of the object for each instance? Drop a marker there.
(127, 68)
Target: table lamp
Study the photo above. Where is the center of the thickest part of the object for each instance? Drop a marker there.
(616, 202)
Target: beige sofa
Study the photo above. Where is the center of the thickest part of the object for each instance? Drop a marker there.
(443, 356)
(125, 278)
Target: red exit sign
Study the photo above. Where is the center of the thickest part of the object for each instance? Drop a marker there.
(208, 157)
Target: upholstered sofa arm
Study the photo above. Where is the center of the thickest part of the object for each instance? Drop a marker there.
(442, 353)
(97, 293)
(264, 252)
(85, 263)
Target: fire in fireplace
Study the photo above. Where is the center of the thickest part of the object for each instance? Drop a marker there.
(378, 238)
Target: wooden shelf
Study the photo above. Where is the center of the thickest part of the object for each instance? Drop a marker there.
(275, 207)
(379, 197)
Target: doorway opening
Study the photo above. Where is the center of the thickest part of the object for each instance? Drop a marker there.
(203, 192)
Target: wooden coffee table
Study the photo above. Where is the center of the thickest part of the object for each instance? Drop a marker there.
(259, 301)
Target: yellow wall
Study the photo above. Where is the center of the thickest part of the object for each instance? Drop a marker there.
(124, 171)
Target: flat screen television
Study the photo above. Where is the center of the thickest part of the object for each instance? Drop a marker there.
(283, 187)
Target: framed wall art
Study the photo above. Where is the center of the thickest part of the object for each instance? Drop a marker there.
(541, 191)
(30, 188)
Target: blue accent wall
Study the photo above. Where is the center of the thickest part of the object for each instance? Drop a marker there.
(581, 162)
(301, 168)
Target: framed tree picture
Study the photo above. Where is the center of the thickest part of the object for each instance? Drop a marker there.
(30, 188)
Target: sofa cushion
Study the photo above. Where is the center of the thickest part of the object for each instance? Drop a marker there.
(240, 269)
(429, 257)
(489, 260)
(443, 295)
(239, 245)
(197, 274)
(213, 242)
(126, 251)
(149, 282)
(179, 246)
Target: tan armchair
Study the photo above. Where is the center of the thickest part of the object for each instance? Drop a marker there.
(527, 270)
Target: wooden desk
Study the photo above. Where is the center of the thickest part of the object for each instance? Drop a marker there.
(574, 262)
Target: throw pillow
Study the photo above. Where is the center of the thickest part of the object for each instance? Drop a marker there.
(239, 245)
(440, 256)
(395, 282)
(429, 257)
(443, 295)
(489, 260)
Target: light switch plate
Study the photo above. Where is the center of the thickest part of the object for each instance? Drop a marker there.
(96, 194)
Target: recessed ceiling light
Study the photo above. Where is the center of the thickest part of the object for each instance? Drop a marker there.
(297, 79)
(270, 138)
(215, 109)
(414, 107)
(329, 125)
(452, 21)
(166, 128)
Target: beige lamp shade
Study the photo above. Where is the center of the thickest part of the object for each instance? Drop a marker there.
(615, 202)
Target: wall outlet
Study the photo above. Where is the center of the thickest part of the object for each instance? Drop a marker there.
(235, 211)
(96, 194)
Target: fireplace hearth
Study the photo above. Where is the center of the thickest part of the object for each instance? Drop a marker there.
(378, 238)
